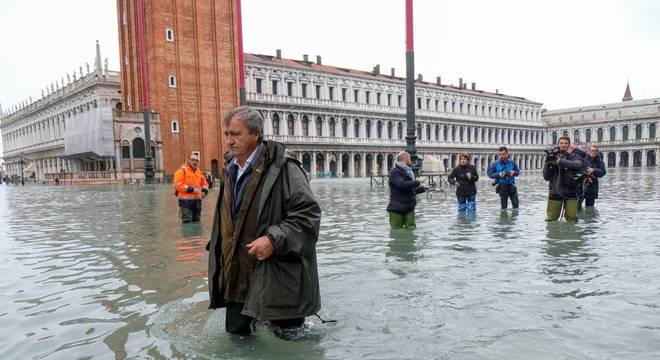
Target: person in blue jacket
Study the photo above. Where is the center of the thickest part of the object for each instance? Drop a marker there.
(464, 177)
(595, 170)
(403, 189)
(504, 171)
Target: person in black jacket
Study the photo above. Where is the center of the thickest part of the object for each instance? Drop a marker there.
(403, 188)
(595, 169)
(562, 170)
(464, 177)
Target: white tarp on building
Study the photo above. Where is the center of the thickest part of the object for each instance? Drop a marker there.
(89, 131)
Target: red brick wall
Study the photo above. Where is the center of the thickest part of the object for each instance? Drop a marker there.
(203, 57)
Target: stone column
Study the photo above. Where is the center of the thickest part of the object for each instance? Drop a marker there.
(313, 167)
(351, 164)
(340, 165)
(326, 164)
(363, 171)
(131, 167)
(643, 151)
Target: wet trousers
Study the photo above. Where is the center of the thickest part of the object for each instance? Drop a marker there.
(402, 221)
(554, 207)
(239, 324)
(191, 210)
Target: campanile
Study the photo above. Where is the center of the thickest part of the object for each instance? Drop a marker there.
(191, 54)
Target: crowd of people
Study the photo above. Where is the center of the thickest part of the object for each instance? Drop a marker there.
(572, 175)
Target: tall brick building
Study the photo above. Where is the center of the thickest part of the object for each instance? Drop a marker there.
(192, 63)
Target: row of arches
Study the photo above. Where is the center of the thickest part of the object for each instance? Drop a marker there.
(330, 126)
(614, 133)
(633, 158)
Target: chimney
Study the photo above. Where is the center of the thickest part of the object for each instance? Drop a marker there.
(465, 85)
(306, 58)
(420, 77)
(474, 86)
(278, 53)
(497, 91)
(438, 80)
(376, 70)
(392, 73)
(460, 83)
(318, 60)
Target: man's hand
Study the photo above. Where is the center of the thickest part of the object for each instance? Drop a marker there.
(469, 176)
(261, 248)
(456, 184)
(558, 161)
(511, 173)
(590, 170)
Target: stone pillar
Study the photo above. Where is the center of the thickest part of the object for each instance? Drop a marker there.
(326, 164)
(313, 167)
(643, 164)
(131, 166)
(351, 164)
(340, 165)
(363, 171)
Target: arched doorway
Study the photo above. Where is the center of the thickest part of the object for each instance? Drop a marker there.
(369, 164)
(623, 162)
(650, 158)
(390, 161)
(445, 164)
(345, 165)
(637, 158)
(214, 168)
(307, 162)
(320, 165)
(611, 159)
(453, 161)
(379, 164)
(357, 165)
(333, 165)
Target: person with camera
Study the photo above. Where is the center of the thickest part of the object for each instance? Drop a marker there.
(504, 172)
(464, 177)
(190, 187)
(564, 170)
(595, 170)
(403, 191)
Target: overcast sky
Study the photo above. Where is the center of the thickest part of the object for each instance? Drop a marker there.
(562, 53)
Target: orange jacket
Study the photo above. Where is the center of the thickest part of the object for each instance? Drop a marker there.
(185, 178)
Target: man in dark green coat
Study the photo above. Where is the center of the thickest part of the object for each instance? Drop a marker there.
(262, 250)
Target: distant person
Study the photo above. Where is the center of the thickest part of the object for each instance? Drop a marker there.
(403, 191)
(595, 170)
(209, 179)
(262, 250)
(463, 177)
(562, 171)
(504, 171)
(190, 187)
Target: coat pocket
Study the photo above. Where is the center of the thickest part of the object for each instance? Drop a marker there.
(283, 283)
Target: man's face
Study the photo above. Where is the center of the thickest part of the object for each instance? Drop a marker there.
(239, 140)
(463, 161)
(503, 155)
(593, 152)
(194, 163)
(563, 144)
(406, 159)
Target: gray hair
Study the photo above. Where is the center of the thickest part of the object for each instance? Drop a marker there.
(250, 117)
(401, 155)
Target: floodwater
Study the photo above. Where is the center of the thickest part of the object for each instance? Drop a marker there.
(108, 272)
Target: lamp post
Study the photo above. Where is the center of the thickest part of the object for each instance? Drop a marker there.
(22, 174)
(410, 91)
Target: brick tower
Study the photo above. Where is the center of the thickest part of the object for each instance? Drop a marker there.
(192, 72)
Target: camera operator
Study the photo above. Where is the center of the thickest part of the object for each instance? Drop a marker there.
(595, 169)
(504, 172)
(563, 170)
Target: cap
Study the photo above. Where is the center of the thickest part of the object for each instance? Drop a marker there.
(194, 156)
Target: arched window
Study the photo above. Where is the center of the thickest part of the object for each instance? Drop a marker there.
(305, 125)
(625, 133)
(587, 135)
(125, 152)
(319, 126)
(576, 135)
(554, 137)
(333, 127)
(428, 132)
(599, 135)
(290, 124)
(445, 132)
(400, 130)
(367, 126)
(612, 133)
(138, 148)
(638, 132)
(437, 133)
(379, 130)
(276, 124)
(344, 127)
(389, 130)
(419, 131)
(175, 127)
(652, 131)
(356, 128)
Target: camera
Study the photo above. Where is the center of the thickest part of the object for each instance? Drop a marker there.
(551, 155)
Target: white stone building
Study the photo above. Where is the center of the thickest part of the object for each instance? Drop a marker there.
(625, 132)
(73, 133)
(352, 123)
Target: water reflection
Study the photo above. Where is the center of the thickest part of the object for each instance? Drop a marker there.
(402, 245)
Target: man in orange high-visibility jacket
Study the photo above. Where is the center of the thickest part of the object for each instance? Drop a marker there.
(190, 187)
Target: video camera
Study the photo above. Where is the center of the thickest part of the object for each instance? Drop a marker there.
(551, 155)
